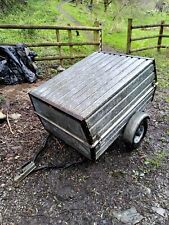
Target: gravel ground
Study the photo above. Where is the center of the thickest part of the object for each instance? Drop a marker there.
(92, 192)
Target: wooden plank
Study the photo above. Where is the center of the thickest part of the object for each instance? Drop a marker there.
(129, 34)
(142, 49)
(160, 36)
(70, 44)
(47, 27)
(58, 57)
(49, 86)
(100, 40)
(96, 35)
(146, 26)
(59, 46)
(84, 86)
(166, 25)
(146, 37)
(151, 47)
(164, 46)
(165, 35)
(53, 44)
(89, 102)
(69, 76)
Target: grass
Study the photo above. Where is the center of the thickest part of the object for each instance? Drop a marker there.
(151, 164)
(115, 30)
(2, 99)
(155, 161)
(114, 24)
(34, 15)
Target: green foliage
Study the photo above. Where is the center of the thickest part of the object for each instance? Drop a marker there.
(2, 99)
(6, 5)
(114, 23)
(151, 164)
(156, 160)
(39, 13)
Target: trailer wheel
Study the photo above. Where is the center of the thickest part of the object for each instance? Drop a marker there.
(135, 130)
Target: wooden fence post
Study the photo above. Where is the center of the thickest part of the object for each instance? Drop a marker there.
(100, 39)
(129, 33)
(59, 47)
(160, 36)
(70, 41)
(96, 36)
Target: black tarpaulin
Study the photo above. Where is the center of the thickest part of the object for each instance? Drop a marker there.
(16, 65)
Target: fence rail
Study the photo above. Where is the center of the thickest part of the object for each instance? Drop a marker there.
(96, 42)
(159, 37)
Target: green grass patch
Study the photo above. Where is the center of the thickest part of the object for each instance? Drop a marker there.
(156, 160)
(39, 13)
(114, 24)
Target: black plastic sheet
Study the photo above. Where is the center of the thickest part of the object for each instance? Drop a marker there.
(16, 65)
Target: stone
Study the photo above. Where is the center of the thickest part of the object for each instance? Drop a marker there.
(60, 68)
(129, 216)
(1, 218)
(2, 116)
(15, 116)
(159, 211)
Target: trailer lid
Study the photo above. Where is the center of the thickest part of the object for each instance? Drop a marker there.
(86, 85)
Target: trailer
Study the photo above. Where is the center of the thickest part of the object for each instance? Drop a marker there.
(98, 99)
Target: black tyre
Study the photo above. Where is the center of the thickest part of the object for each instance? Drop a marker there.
(139, 135)
(135, 131)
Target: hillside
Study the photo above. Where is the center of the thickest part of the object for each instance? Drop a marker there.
(114, 20)
(121, 187)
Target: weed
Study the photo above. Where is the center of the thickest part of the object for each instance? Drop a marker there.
(156, 160)
(2, 99)
(150, 164)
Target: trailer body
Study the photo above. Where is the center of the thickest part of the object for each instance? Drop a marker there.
(89, 104)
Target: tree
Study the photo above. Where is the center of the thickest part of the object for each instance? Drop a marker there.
(160, 5)
(8, 4)
(106, 4)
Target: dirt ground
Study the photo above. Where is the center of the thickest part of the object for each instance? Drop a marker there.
(90, 193)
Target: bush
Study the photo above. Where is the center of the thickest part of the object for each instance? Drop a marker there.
(6, 5)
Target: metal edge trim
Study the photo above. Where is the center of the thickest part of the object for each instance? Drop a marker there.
(123, 54)
(35, 110)
(87, 132)
(93, 154)
(156, 82)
